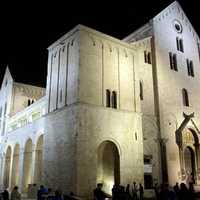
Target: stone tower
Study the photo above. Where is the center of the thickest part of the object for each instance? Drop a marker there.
(93, 124)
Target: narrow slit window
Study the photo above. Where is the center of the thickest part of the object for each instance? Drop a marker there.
(175, 62)
(149, 58)
(171, 60)
(191, 68)
(181, 45)
(177, 44)
(185, 97)
(141, 91)
(114, 99)
(145, 57)
(107, 98)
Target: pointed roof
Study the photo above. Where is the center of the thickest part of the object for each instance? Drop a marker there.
(7, 75)
(176, 7)
(146, 30)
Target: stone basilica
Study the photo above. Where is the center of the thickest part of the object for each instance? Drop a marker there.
(113, 111)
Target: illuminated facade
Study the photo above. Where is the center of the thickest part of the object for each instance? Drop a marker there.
(113, 111)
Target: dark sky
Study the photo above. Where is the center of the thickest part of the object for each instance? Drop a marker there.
(27, 29)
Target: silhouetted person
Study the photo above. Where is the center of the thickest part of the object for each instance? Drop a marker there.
(176, 189)
(184, 193)
(191, 191)
(164, 193)
(115, 191)
(50, 194)
(5, 195)
(156, 189)
(98, 193)
(58, 195)
(141, 190)
(41, 192)
(128, 194)
(134, 191)
(15, 195)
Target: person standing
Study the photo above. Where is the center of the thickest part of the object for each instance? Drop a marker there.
(99, 194)
(5, 195)
(15, 195)
(141, 190)
(134, 191)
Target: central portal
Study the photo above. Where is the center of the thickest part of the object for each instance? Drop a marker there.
(189, 158)
(108, 166)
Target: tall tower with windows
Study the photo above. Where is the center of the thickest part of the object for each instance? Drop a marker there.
(94, 119)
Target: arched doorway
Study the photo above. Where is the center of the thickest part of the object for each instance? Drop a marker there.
(108, 165)
(190, 148)
(189, 157)
(7, 167)
(27, 166)
(15, 167)
(38, 161)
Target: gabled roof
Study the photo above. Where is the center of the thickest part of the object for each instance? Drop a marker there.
(7, 76)
(146, 30)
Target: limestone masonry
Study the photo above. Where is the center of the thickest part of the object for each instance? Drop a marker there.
(113, 111)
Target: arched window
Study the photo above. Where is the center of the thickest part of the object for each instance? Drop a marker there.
(29, 102)
(141, 91)
(145, 57)
(114, 99)
(107, 98)
(177, 43)
(191, 68)
(181, 45)
(149, 57)
(185, 97)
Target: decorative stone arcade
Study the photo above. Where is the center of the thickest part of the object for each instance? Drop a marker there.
(189, 150)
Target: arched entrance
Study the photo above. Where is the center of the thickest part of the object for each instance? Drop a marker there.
(108, 165)
(15, 167)
(7, 167)
(189, 157)
(190, 146)
(38, 161)
(27, 166)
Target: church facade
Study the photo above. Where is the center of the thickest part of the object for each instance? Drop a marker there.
(113, 111)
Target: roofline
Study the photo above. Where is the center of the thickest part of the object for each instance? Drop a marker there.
(90, 30)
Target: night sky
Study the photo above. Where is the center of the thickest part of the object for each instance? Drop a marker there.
(27, 29)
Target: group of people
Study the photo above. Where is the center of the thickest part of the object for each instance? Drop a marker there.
(119, 192)
(177, 192)
(15, 195)
(42, 193)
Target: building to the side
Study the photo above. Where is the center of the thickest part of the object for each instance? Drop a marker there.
(113, 111)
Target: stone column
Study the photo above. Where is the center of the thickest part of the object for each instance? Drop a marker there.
(10, 171)
(163, 142)
(3, 159)
(197, 153)
(34, 152)
(182, 165)
(21, 169)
